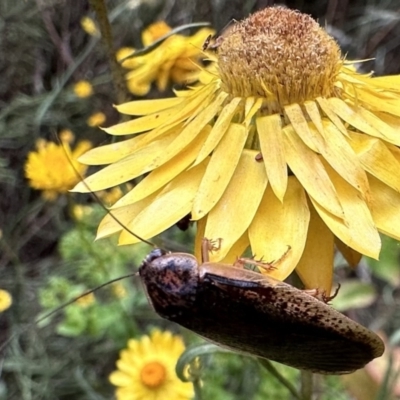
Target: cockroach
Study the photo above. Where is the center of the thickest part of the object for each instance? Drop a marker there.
(254, 314)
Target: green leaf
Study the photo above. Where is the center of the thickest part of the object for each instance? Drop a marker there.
(354, 294)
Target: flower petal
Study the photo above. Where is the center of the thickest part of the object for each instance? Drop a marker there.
(336, 150)
(164, 174)
(219, 129)
(123, 170)
(272, 149)
(315, 267)
(146, 107)
(118, 217)
(219, 170)
(110, 152)
(331, 115)
(172, 204)
(377, 159)
(351, 256)
(237, 249)
(357, 229)
(166, 118)
(363, 120)
(242, 198)
(278, 226)
(309, 170)
(191, 130)
(385, 208)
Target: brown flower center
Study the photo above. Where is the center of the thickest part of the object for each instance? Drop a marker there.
(153, 375)
(279, 54)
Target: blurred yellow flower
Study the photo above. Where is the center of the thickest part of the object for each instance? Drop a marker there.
(54, 168)
(89, 26)
(86, 301)
(79, 211)
(176, 59)
(96, 119)
(146, 369)
(83, 89)
(5, 300)
(281, 145)
(118, 290)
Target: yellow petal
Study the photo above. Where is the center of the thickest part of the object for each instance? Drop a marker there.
(219, 170)
(167, 118)
(377, 102)
(310, 171)
(323, 136)
(240, 201)
(124, 170)
(190, 131)
(315, 267)
(351, 256)
(219, 129)
(251, 107)
(300, 126)
(114, 152)
(278, 226)
(377, 159)
(331, 115)
(343, 159)
(385, 208)
(357, 229)
(146, 107)
(363, 120)
(164, 174)
(237, 249)
(120, 217)
(110, 152)
(172, 204)
(272, 149)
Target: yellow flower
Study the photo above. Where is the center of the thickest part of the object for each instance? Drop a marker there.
(86, 301)
(5, 300)
(53, 167)
(96, 119)
(146, 369)
(175, 60)
(89, 26)
(281, 145)
(118, 290)
(83, 89)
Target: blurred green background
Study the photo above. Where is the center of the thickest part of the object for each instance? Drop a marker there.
(47, 257)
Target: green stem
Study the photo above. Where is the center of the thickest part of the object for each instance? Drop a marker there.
(117, 74)
(306, 378)
(276, 374)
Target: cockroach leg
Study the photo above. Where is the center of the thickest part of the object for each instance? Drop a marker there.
(208, 246)
(267, 266)
(321, 294)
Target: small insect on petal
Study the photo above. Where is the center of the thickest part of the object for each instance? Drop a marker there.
(257, 315)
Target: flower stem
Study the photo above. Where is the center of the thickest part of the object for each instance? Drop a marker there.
(275, 373)
(117, 75)
(306, 385)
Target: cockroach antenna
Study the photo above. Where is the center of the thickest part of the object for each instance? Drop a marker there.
(61, 307)
(98, 200)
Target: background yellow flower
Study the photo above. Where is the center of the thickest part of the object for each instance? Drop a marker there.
(146, 369)
(53, 168)
(5, 300)
(175, 60)
(83, 89)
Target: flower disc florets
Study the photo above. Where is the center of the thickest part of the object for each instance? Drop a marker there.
(279, 54)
